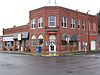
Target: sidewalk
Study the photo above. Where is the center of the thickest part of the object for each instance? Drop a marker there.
(52, 54)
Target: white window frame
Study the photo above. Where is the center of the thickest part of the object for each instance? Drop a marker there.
(40, 22)
(63, 22)
(83, 24)
(72, 23)
(33, 24)
(49, 21)
(79, 24)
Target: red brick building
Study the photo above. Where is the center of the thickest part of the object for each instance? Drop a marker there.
(59, 29)
(56, 29)
(16, 38)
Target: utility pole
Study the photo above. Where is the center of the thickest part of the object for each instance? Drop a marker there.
(88, 30)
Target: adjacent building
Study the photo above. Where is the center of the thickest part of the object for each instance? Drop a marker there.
(16, 38)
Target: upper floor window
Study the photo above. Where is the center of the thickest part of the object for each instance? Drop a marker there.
(64, 22)
(79, 24)
(33, 23)
(40, 22)
(94, 26)
(89, 25)
(83, 24)
(52, 21)
(72, 25)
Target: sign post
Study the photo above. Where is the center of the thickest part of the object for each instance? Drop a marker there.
(67, 40)
(19, 43)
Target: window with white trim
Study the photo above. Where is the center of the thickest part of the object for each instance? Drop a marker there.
(33, 24)
(79, 24)
(40, 22)
(64, 22)
(72, 25)
(52, 21)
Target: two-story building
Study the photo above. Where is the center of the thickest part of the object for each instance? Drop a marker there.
(58, 29)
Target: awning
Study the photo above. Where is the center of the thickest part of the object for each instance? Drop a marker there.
(15, 35)
(74, 37)
(64, 36)
(24, 34)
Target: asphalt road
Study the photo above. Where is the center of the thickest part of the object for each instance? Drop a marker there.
(16, 64)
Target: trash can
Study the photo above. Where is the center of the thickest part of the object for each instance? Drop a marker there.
(38, 50)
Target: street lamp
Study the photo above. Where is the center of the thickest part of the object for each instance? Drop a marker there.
(88, 31)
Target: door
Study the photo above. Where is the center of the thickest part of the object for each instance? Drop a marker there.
(52, 45)
(93, 45)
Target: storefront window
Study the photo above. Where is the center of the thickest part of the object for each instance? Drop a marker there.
(0, 45)
(33, 40)
(9, 43)
(73, 42)
(12, 43)
(40, 39)
(64, 42)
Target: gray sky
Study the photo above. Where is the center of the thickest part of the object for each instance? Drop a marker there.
(16, 12)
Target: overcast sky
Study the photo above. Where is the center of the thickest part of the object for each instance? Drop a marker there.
(16, 12)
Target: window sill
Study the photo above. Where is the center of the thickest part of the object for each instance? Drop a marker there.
(40, 27)
(33, 28)
(64, 27)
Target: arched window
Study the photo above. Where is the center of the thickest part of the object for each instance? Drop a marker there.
(40, 38)
(33, 40)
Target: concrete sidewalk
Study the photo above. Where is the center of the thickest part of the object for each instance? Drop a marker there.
(30, 53)
(51, 54)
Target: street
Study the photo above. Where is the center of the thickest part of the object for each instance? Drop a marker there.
(17, 64)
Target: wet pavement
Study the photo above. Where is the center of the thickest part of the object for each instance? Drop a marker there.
(17, 64)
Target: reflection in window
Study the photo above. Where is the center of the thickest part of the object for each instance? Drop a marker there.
(64, 22)
(79, 24)
(40, 39)
(33, 23)
(52, 21)
(33, 40)
(72, 25)
(40, 22)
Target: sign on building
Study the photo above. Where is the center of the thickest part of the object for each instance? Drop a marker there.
(8, 39)
(19, 36)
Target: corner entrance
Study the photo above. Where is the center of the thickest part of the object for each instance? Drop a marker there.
(52, 45)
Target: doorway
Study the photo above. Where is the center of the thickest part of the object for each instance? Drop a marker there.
(52, 45)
